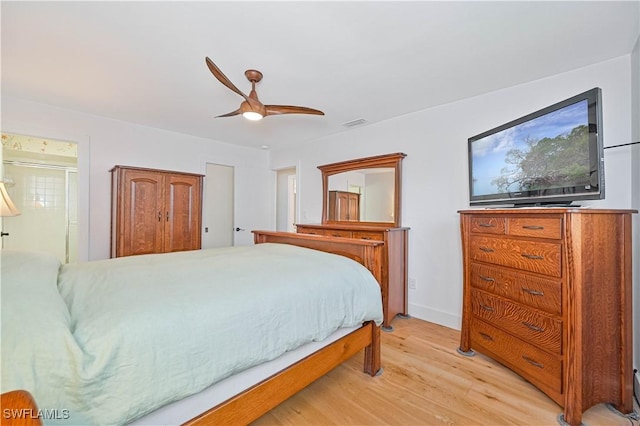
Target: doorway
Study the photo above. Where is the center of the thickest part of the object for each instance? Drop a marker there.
(218, 218)
(41, 178)
(286, 199)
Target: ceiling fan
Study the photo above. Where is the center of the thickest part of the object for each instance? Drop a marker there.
(251, 108)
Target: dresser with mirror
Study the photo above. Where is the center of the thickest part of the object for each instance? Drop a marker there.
(361, 199)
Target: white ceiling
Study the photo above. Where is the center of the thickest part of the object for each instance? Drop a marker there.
(143, 62)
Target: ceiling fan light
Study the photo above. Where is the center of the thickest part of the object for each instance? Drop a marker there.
(252, 115)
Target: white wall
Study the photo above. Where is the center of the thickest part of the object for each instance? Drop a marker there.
(103, 143)
(435, 182)
(380, 198)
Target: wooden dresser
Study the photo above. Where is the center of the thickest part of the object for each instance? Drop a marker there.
(547, 292)
(394, 260)
(154, 211)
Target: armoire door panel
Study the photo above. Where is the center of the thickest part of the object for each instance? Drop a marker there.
(182, 227)
(143, 205)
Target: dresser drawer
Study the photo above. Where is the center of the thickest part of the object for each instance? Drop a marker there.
(535, 227)
(540, 257)
(531, 290)
(312, 231)
(364, 235)
(542, 369)
(488, 225)
(538, 329)
(338, 233)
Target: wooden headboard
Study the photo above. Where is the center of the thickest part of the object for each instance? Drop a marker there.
(366, 252)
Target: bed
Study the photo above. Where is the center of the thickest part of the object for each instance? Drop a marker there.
(85, 365)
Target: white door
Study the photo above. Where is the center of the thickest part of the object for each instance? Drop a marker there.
(286, 199)
(291, 203)
(217, 219)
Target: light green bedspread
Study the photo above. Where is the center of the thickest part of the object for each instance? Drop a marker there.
(119, 338)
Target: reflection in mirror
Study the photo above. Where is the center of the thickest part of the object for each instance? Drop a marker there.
(365, 195)
(364, 190)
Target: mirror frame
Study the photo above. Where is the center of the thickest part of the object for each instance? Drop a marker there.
(389, 160)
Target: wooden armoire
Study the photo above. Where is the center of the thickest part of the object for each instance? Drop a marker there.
(344, 205)
(154, 211)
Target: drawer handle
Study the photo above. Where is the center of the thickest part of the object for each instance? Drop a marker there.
(366, 238)
(487, 308)
(486, 225)
(532, 362)
(485, 336)
(532, 256)
(487, 249)
(484, 278)
(335, 235)
(533, 227)
(533, 292)
(532, 327)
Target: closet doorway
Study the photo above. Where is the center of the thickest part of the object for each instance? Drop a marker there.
(41, 177)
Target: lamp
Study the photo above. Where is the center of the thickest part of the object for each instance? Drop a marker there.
(7, 208)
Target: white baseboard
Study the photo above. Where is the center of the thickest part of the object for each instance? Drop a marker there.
(433, 315)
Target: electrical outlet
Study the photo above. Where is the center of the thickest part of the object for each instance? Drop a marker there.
(412, 283)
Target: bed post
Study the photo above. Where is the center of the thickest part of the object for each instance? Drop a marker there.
(372, 364)
(19, 409)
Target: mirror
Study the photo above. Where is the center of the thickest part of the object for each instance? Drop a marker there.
(365, 190)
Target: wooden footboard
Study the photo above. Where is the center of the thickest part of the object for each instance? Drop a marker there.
(367, 252)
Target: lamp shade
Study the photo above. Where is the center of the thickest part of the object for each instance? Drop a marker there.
(7, 208)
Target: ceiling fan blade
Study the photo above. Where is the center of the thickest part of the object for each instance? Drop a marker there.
(288, 109)
(230, 114)
(223, 78)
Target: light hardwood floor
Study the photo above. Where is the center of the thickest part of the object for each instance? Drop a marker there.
(425, 382)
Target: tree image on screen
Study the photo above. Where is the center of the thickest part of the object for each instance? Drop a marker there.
(547, 163)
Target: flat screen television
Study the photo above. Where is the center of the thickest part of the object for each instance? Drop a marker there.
(553, 156)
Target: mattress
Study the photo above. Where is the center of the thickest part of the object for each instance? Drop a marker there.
(181, 411)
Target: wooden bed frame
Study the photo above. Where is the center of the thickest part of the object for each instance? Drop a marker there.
(252, 403)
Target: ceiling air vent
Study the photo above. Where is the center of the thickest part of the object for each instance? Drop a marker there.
(354, 123)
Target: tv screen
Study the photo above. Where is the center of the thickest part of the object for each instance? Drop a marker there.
(551, 156)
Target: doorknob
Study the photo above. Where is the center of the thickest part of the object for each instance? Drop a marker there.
(239, 229)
